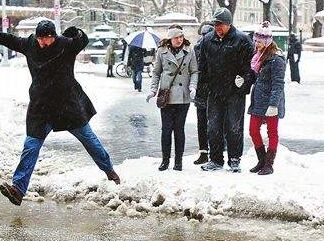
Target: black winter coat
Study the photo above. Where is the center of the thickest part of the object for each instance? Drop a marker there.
(202, 86)
(222, 59)
(56, 98)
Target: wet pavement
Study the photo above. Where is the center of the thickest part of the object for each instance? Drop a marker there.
(50, 221)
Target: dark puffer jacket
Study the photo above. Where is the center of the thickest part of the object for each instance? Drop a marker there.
(56, 97)
(202, 86)
(222, 59)
(269, 87)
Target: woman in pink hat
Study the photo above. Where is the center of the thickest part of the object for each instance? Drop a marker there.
(267, 97)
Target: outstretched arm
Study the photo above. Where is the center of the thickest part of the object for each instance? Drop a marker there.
(13, 42)
(79, 38)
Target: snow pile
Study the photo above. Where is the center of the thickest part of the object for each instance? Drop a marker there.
(293, 193)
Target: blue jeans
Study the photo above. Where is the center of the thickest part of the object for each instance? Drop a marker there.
(33, 145)
(137, 79)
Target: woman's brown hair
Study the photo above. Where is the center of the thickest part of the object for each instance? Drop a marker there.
(269, 52)
(167, 42)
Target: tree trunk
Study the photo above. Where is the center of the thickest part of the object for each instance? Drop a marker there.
(231, 6)
(160, 7)
(317, 26)
(198, 10)
(266, 11)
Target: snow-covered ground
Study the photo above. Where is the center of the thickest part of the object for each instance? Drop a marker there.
(295, 192)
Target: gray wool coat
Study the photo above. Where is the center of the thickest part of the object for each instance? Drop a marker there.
(165, 67)
(268, 89)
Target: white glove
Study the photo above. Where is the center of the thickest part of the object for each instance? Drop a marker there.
(150, 96)
(239, 81)
(192, 93)
(272, 111)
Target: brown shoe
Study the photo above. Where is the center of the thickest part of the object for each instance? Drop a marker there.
(112, 176)
(203, 158)
(11, 193)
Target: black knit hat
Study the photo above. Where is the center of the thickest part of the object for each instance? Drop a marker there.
(223, 15)
(45, 28)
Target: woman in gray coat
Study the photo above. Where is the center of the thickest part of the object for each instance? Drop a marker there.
(267, 97)
(174, 53)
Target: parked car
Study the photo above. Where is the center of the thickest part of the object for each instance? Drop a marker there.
(98, 43)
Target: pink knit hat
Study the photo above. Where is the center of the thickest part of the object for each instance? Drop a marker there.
(264, 33)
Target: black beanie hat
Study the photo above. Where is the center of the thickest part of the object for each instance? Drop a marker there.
(45, 28)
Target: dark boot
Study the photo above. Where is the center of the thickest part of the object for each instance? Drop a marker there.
(112, 176)
(165, 164)
(11, 193)
(269, 158)
(261, 155)
(177, 164)
(203, 158)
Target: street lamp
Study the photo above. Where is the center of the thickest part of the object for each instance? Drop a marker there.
(5, 25)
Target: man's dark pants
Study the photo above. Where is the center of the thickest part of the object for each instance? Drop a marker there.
(225, 112)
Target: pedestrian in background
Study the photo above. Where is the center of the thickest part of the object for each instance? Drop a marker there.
(175, 69)
(294, 54)
(110, 58)
(225, 59)
(57, 101)
(201, 104)
(136, 62)
(267, 97)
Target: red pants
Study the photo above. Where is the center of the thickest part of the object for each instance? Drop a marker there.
(272, 127)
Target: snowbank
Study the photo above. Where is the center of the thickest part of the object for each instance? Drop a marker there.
(294, 192)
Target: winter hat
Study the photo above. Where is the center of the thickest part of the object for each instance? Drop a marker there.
(45, 28)
(223, 15)
(174, 32)
(264, 33)
(206, 29)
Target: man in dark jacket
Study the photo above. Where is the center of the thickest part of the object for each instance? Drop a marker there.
(294, 48)
(136, 61)
(201, 104)
(57, 101)
(225, 60)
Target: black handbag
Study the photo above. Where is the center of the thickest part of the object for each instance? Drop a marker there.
(163, 95)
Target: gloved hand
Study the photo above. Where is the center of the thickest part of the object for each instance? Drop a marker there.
(272, 111)
(239, 81)
(150, 96)
(71, 32)
(192, 93)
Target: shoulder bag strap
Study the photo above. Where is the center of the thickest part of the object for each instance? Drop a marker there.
(177, 72)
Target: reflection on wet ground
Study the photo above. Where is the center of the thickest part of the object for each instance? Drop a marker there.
(49, 221)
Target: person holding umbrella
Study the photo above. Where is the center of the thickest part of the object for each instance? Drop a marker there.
(138, 42)
(136, 62)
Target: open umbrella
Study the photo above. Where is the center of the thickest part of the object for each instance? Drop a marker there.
(143, 39)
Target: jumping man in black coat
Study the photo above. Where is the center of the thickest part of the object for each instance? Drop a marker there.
(57, 101)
